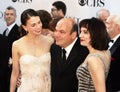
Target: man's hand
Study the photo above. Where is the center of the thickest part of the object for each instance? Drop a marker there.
(18, 81)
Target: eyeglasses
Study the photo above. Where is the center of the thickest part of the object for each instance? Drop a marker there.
(53, 9)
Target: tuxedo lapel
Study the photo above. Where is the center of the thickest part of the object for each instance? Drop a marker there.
(4, 33)
(59, 59)
(13, 31)
(56, 57)
(115, 46)
(73, 54)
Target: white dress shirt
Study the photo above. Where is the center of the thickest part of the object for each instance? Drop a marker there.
(10, 27)
(68, 48)
(114, 39)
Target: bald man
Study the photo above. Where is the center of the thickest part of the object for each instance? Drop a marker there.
(103, 14)
(63, 74)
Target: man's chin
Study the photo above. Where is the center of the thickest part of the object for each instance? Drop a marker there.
(57, 43)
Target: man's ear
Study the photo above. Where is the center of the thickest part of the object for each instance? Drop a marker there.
(74, 35)
(60, 12)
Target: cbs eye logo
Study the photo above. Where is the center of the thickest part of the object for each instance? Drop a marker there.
(14, 0)
(82, 2)
(92, 3)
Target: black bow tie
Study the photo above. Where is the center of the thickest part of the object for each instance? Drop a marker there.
(112, 41)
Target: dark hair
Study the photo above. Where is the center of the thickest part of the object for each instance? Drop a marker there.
(98, 33)
(27, 14)
(53, 23)
(45, 18)
(60, 5)
(75, 28)
(11, 8)
(22, 31)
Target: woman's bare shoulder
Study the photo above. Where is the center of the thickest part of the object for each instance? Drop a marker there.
(48, 39)
(19, 41)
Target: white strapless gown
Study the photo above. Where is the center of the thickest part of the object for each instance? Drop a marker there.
(35, 73)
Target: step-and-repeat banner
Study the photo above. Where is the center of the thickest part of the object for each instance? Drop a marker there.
(78, 9)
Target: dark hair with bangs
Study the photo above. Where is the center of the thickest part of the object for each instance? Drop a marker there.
(98, 33)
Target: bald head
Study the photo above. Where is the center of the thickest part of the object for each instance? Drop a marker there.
(103, 14)
(65, 32)
(113, 25)
(67, 23)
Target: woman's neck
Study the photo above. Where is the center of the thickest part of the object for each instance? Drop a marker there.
(91, 49)
(33, 38)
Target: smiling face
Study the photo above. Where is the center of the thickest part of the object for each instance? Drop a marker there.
(84, 37)
(33, 25)
(10, 16)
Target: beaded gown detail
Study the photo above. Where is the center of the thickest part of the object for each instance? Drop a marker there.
(85, 83)
(35, 73)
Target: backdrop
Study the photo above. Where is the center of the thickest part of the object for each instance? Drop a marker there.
(77, 9)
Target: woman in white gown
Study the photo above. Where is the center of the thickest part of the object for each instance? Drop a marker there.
(31, 56)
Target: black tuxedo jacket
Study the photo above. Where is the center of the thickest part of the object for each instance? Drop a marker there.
(64, 77)
(114, 72)
(13, 35)
(4, 56)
